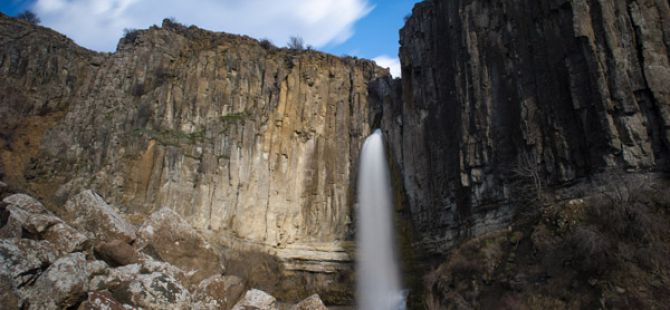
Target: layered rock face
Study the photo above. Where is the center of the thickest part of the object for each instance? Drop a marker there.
(566, 88)
(255, 145)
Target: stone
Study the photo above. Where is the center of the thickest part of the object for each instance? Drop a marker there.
(89, 212)
(256, 300)
(114, 277)
(173, 240)
(101, 300)
(218, 292)
(310, 303)
(117, 253)
(28, 218)
(154, 291)
(61, 285)
(23, 260)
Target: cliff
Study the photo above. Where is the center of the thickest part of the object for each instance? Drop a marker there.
(544, 93)
(254, 145)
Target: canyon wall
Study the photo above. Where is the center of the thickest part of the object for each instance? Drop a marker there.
(564, 89)
(254, 145)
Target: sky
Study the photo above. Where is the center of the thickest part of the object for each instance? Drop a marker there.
(361, 28)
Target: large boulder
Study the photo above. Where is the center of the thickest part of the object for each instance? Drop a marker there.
(28, 218)
(310, 303)
(256, 300)
(154, 291)
(22, 260)
(62, 285)
(89, 212)
(169, 237)
(114, 277)
(218, 292)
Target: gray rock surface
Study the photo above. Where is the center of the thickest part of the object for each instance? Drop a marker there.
(154, 291)
(61, 285)
(89, 212)
(579, 88)
(256, 300)
(310, 303)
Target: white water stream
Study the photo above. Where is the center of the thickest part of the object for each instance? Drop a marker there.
(378, 275)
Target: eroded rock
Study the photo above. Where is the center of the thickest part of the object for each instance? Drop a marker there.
(62, 284)
(89, 212)
(118, 253)
(101, 300)
(310, 303)
(154, 291)
(173, 240)
(256, 300)
(218, 292)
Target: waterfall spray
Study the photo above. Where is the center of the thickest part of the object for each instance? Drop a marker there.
(378, 276)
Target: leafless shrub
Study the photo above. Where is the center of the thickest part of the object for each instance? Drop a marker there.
(296, 43)
(130, 35)
(138, 89)
(29, 17)
(267, 44)
(528, 169)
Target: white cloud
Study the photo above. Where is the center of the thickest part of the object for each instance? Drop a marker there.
(392, 63)
(99, 24)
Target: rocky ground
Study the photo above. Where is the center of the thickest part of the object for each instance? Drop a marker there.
(607, 250)
(86, 255)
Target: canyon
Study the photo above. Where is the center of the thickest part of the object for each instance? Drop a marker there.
(257, 147)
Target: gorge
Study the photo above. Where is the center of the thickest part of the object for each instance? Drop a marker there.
(514, 128)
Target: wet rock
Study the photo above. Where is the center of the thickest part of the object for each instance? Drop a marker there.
(117, 253)
(62, 285)
(310, 303)
(218, 292)
(89, 212)
(173, 240)
(256, 300)
(101, 300)
(154, 291)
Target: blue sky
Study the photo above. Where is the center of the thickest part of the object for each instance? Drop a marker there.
(363, 28)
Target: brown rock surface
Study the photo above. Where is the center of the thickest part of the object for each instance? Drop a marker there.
(117, 252)
(168, 236)
(259, 146)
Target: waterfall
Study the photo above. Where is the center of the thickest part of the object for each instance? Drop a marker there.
(378, 276)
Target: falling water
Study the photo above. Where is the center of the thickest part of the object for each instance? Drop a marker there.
(377, 270)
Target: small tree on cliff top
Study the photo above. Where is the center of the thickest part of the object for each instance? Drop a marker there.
(29, 17)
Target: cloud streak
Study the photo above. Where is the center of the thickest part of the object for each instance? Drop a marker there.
(99, 24)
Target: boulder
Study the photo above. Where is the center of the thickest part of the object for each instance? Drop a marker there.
(23, 260)
(101, 300)
(117, 253)
(256, 300)
(218, 292)
(61, 286)
(150, 266)
(154, 291)
(27, 218)
(89, 212)
(114, 277)
(169, 237)
(310, 303)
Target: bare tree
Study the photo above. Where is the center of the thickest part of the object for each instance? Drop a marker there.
(29, 17)
(528, 168)
(296, 43)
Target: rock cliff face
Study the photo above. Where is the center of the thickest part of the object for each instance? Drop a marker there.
(565, 89)
(255, 145)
